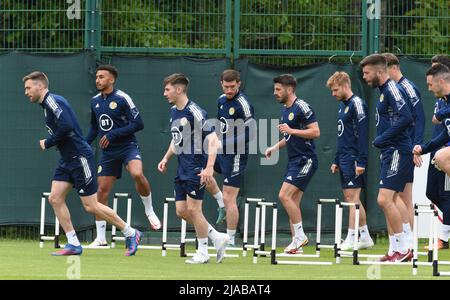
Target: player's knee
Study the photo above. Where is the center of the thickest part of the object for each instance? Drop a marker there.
(192, 211)
(383, 202)
(102, 195)
(91, 208)
(182, 213)
(137, 175)
(53, 199)
(440, 158)
(229, 201)
(283, 197)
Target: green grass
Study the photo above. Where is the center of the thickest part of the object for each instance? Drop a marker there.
(25, 260)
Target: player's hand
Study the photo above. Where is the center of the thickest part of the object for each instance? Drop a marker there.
(206, 175)
(434, 120)
(417, 150)
(417, 160)
(334, 168)
(284, 128)
(104, 142)
(434, 163)
(268, 152)
(162, 166)
(42, 144)
(359, 170)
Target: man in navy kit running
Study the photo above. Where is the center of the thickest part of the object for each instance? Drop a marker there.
(351, 154)
(393, 121)
(235, 114)
(76, 166)
(417, 129)
(299, 127)
(438, 182)
(115, 118)
(190, 134)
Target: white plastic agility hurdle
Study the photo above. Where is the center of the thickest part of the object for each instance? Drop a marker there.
(433, 250)
(339, 209)
(259, 243)
(114, 237)
(245, 244)
(42, 237)
(117, 196)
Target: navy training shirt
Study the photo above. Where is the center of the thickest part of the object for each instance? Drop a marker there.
(393, 118)
(64, 129)
(353, 130)
(413, 93)
(298, 116)
(229, 111)
(115, 116)
(189, 130)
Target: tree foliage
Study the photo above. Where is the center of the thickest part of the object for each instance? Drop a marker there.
(417, 27)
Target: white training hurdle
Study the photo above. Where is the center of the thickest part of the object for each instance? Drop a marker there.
(259, 242)
(117, 196)
(339, 208)
(166, 246)
(433, 250)
(42, 237)
(245, 244)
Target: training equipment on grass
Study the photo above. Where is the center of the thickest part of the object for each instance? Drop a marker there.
(117, 196)
(42, 237)
(165, 246)
(433, 249)
(245, 245)
(339, 208)
(114, 237)
(260, 236)
(183, 239)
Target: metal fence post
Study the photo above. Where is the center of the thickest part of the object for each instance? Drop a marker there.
(237, 24)
(92, 38)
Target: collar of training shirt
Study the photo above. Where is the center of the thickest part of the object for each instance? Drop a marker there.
(106, 96)
(45, 98)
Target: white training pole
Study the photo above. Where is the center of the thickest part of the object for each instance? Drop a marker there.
(245, 238)
(435, 244)
(113, 228)
(263, 228)
(274, 235)
(183, 238)
(337, 235)
(164, 234)
(57, 232)
(415, 241)
(42, 224)
(256, 243)
(355, 242)
(318, 227)
(129, 210)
